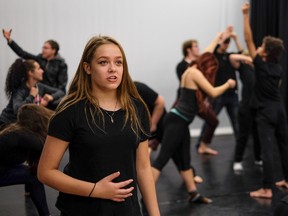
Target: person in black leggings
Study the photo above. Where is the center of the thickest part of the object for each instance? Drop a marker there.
(176, 137)
(246, 115)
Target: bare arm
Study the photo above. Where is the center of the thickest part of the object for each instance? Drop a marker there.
(238, 45)
(236, 59)
(49, 173)
(248, 36)
(157, 112)
(145, 179)
(198, 80)
(210, 48)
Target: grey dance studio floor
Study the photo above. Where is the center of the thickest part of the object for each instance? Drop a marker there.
(228, 190)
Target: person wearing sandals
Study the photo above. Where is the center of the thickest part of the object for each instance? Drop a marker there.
(176, 137)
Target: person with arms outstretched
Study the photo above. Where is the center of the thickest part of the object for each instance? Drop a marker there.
(49, 60)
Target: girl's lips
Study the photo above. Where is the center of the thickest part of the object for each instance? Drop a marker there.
(112, 78)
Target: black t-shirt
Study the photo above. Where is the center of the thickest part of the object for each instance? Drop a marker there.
(225, 70)
(147, 94)
(268, 76)
(17, 147)
(150, 96)
(247, 76)
(181, 67)
(96, 152)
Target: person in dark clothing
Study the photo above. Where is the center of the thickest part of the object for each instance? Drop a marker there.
(205, 109)
(49, 60)
(156, 107)
(176, 137)
(157, 110)
(23, 142)
(105, 125)
(190, 51)
(229, 99)
(270, 112)
(23, 87)
(246, 116)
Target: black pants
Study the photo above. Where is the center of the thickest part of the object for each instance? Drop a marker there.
(272, 130)
(21, 174)
(247, 127)
(175, 143)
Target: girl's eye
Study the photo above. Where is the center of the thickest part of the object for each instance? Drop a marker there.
(118, 63)
(103, 62)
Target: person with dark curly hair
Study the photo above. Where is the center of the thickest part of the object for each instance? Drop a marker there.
(23, 86)
(49, 60)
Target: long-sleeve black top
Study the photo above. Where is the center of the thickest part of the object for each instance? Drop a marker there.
(55, 69)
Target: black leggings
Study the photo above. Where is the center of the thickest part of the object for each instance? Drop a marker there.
(272, 131)
(21, 174)
(175, 143)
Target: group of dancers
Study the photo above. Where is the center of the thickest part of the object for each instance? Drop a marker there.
(107, 121)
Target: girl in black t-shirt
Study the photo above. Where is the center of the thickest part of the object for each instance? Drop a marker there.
(105, 125)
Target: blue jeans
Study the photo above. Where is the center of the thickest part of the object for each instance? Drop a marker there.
(20, 174)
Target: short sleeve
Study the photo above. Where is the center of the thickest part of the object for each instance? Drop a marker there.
(144, 118)
(147, 94)
(62, 124)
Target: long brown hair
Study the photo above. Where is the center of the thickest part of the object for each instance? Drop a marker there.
(208, 65)
(81, 86)
(31, 118)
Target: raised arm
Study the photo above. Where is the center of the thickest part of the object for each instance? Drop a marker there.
(16, 48)
(238, 45)
(7, 35)
(211, 47)
(248, 36)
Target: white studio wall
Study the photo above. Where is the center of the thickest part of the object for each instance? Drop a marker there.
(151, 33)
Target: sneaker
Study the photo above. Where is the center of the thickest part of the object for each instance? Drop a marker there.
(258, 163)
(237, 166)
